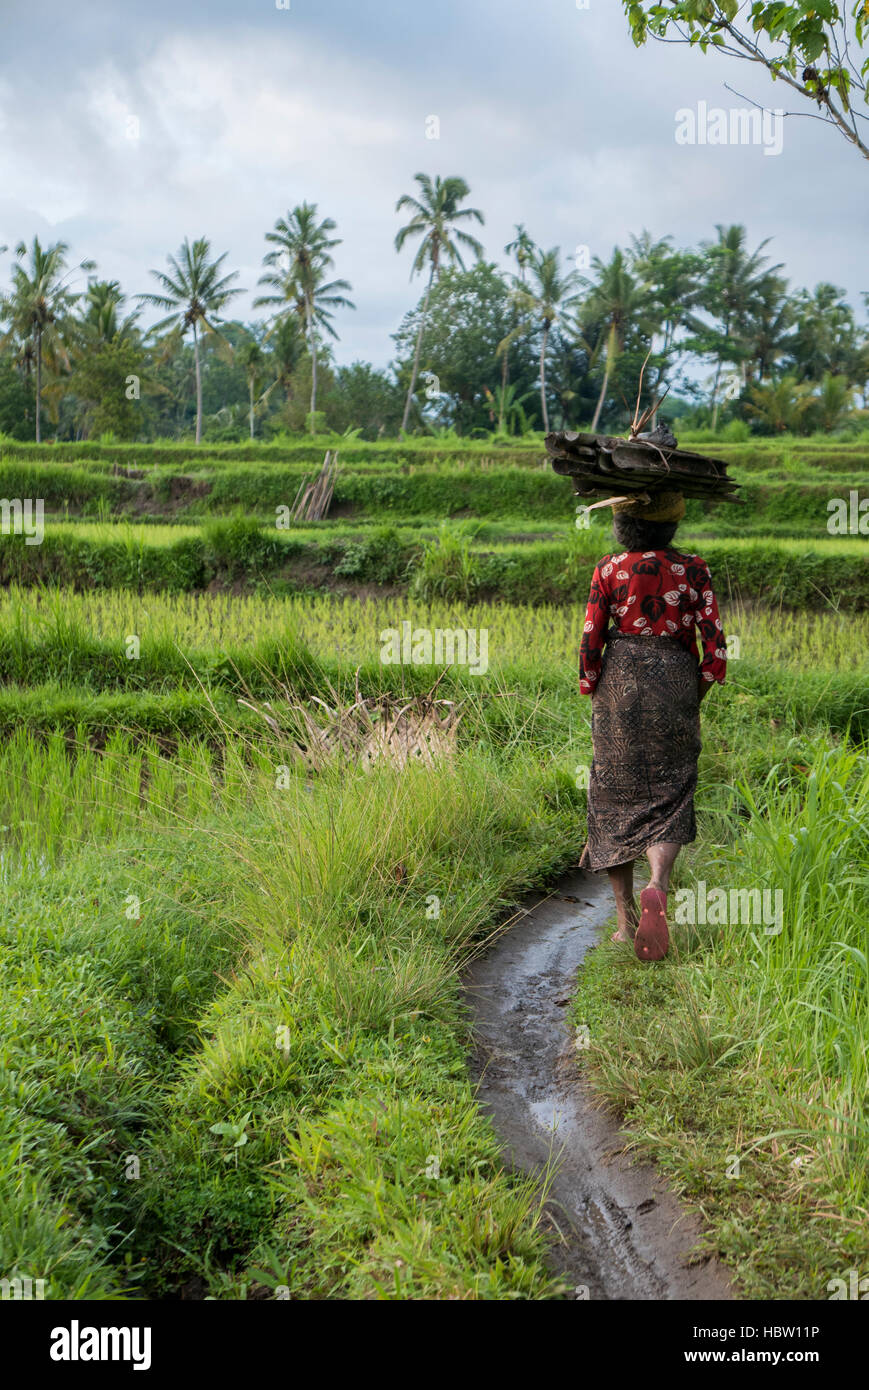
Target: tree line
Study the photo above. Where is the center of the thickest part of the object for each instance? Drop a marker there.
(715, 331)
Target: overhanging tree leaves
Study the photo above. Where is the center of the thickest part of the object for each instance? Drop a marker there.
(818, 49)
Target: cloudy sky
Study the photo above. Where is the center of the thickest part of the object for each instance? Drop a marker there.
(125, 128)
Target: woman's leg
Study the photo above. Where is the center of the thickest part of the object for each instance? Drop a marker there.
(621, 878)
(661, 859)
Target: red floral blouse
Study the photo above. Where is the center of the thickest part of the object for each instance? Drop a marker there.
(660, 593)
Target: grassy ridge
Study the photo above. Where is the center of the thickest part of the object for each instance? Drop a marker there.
(828, 572)
(782, 451)
(786, 498)
(348, 628)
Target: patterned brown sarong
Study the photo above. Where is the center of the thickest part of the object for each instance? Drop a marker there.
(645, 727)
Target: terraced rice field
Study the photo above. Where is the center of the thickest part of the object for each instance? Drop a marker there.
(234, 1050)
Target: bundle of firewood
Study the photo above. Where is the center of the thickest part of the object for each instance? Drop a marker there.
(610, 465)
(313, 498)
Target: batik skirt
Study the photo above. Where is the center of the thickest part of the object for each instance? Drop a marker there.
(645, 727)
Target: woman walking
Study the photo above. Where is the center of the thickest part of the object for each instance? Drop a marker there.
(640, 664)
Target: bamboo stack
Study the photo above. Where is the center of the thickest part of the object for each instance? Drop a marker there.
(313, 499)
(610, 464)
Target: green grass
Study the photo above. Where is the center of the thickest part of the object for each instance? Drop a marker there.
(236, 551)
(155, 964)
(740, 1062)
(172, 904)
(259, 904)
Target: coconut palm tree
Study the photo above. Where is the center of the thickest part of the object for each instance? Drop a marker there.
(616, 303)
(780, 406)
(768, 331)
(834, 401)
(523, 247)
(733, 284)
(252, 359)
(194, 292)
(38, 310)
(296, 267)
(434, 216)
(671, 280)
(826, 338)
(287, 343)
(549, 294)
(101, 303)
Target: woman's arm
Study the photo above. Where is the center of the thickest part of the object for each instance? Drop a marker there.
(591, 647)
(713, 662)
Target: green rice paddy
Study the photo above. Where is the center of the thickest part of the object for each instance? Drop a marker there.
(233, 1049)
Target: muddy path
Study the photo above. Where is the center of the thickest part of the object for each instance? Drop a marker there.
(620, 1233)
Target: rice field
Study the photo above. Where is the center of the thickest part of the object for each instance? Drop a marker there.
(232, 1039)
(348, 628)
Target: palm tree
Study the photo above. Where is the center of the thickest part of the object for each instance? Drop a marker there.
(780, 406)
(550, 293)
(523, 247)
(826, 336)
(616, 302)
(102, 301)
(768, 330)
(194, 293)
(38, 310)
(287, 349)
(435, 214)
(252, 358)
(834, 401)
(671, 281)
(734, 282)
(295, 273)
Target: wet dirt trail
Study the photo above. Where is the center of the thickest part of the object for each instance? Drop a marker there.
(620, 1233)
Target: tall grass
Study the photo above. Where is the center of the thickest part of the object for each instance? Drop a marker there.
(305, 907)
(741, 1063)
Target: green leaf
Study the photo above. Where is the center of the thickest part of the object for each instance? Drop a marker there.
(813, 46)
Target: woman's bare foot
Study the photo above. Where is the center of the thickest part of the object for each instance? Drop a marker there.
(621, 878)
(627, 924)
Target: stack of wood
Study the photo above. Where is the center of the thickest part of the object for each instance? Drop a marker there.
(613, 466)
(313, 498)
